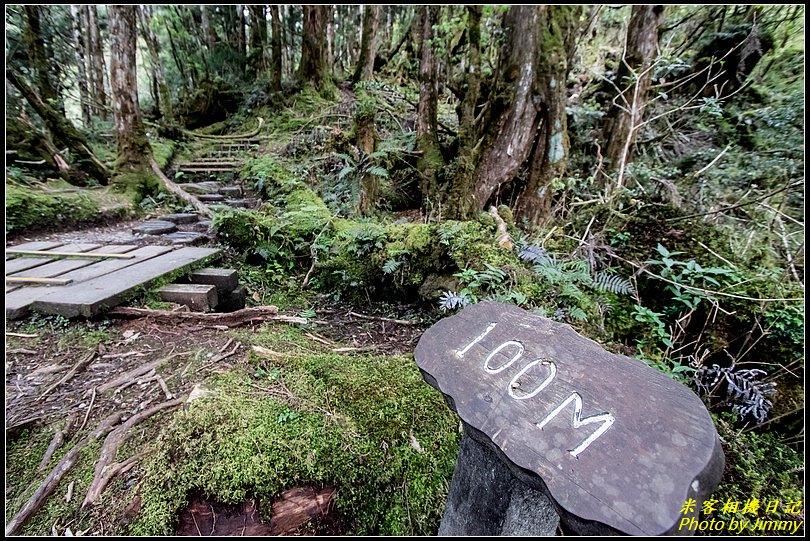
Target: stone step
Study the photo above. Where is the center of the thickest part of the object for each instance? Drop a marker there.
(237, 203)
(203, 168)
(235, 300)
(209, 164)
(187, 238)
(198, 297)
(200, 188)
(225, 280)
(211, 197)
(232, 191)
(181, 218)
(202, 225)
(155, 227)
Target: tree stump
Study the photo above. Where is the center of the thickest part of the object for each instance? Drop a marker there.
(616, 446)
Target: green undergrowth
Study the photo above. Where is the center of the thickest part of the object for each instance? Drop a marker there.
(759, 467)
(29, 209)
(367, 425)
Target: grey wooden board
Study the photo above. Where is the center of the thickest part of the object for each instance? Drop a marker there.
(19, 301)
(39, 245)
(661, 449)
(92, 296)
(59, 266)
(25, 263)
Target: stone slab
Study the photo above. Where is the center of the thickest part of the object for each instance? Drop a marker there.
(187, 238)
(237, 203)
(19, 301)
(235, 300)
(211, 197)
(231, 191)
(198, 297)
(91, 297)
(155, 227)
(617, 445)
(180, 218)
(202, 225)
(225, 280)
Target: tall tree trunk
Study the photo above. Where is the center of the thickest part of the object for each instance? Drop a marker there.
(549, 157)
(152, 44)
(63, 132)
(633, 77)
(513, 113)
(275, 45)
(240, 31)
(81, 80)
(208, 30)
(427, 132)
(38, 56)
(330, 40)
(133, 148)
(288, 40)
(258, 38)
(97, 62)
(460, 201)
(313, 47)
(368, 44)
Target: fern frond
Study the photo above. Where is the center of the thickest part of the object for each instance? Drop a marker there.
(377, 170)
(613, 283)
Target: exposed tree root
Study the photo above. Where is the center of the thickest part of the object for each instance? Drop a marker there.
(198, 205)
(106, 469)
(380, 318)
(50, 483)
(229, 319)
(78, 367)
(58, 439)
(131, 377)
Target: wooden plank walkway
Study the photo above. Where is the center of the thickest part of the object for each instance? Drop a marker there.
(95, 284)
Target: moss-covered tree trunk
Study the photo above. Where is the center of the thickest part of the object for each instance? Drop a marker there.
(633, 78)
(275, 45)
(460, 201)
(427, 133)
(513, 113)
(39, 58)
(313, 68)
(366, 141)
(208, 30)
(368, 44)
(133, 148)
(258, 39)
(77, 30)
(549, 157)
(63, 132)
(152, 44)
(98, 64)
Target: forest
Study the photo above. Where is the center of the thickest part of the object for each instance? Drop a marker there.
(633, 171)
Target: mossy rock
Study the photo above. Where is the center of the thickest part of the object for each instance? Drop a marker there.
(27, 209)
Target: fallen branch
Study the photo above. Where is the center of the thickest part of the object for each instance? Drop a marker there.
(79, 366)
(198, 205)
(50, 483)
(105, 468)
(229, 319)
(219, 357)
(133, 375)
(380, 318)
(248, 135)
(21, 335)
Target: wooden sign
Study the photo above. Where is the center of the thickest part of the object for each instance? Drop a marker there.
(611, 440)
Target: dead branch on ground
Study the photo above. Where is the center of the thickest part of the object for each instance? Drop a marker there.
(228, 319)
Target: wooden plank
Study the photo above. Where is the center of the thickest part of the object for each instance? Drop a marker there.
(34, 280)
(91, 297)
(39, 245)
(611, 440)
(61, 266)
(18, 302)
(66, 254)
(24, 263)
